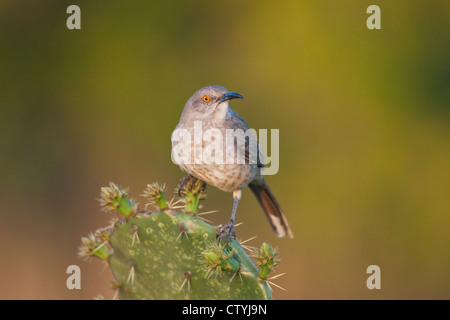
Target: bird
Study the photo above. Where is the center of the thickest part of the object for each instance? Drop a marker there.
(231, 166)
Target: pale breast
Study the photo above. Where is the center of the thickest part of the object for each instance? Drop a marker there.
(215, 156)
(226, 177)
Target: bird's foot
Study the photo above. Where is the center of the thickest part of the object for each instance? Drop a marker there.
(226, 232)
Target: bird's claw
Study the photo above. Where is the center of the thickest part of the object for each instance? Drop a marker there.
(226, 232)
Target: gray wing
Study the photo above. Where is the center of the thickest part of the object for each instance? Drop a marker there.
(246, 138)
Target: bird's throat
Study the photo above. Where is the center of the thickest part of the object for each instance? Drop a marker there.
(221, 112)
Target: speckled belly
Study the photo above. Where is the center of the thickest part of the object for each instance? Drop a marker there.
(226, 177)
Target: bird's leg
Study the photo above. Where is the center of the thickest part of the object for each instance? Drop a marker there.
(227, 231)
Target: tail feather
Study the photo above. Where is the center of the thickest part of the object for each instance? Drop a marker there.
(272, 209)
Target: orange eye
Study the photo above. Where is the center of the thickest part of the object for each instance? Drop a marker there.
(205, 98)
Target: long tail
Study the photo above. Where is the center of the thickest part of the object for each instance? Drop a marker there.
(272, 209)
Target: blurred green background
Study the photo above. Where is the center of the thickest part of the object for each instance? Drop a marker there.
(364, 133)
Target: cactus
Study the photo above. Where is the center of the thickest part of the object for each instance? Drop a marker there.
(172, 254)
(267, 259)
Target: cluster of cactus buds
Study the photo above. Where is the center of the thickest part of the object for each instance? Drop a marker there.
(192, 191)
(155, 195)
(266, 259)
(93, 246)
(114, 198)
(220, 257)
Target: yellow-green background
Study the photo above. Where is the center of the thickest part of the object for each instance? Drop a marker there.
(364, 133)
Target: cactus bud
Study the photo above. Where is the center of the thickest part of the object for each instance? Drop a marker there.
(155, 195)
(115, 198)
(267, 259)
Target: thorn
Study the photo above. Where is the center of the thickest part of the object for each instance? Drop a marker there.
(234, 274)
(187, 278)
(100, 246)
(211, 271)
(240, 276)
(134, 229)
(207, 212)
(273, 278)
(277, 276)
(172, 203)
(245, 241)
(131, 275)
(183, 231)
(182, 285)
(176, 207)
(248, 248)
(270, 282)
(204, 219)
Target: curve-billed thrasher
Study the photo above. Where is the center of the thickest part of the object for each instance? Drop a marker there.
(208, 110)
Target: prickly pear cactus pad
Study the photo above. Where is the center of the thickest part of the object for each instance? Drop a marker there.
(171, 254)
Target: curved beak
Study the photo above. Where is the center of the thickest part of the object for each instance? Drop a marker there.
(230, 95)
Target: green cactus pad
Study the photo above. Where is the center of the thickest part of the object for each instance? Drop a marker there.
(171, 254)
(167, 256)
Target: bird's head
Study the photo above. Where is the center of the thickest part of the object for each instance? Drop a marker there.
(208, 100)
